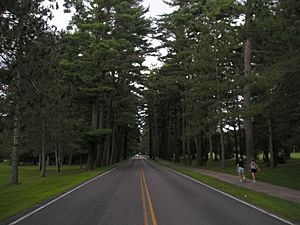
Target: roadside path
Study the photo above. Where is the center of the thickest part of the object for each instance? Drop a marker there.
(263, 187)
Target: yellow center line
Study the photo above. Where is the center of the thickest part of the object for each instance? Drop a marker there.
(154, 221)
(143, 200)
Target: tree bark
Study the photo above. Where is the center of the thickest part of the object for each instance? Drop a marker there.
(125, 153)
(71, 159)
(247, 101)
(151, 155)
(240, 138)
(222, 145)
(90, 161)
(189, 156)
(99, 154)
(100, 143)
(57, 161)
(236, 145)
(183, 137)
(169, 137)
(80, 160)
(210, 147)
(155, 135)
(113, 144)
(105, 157)
(43, 172)
(177, 139)
(40, 161)
(15, 147)
(199, 151)
(273, 164)
(48, 160)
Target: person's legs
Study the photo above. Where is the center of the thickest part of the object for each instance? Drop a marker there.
(241, 174)
(241, 177)
(244, 178)
(253, 177)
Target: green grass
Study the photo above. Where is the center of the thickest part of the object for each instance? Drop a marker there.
(286, 175)
(295, 155)
(283, 208)
(34, 189)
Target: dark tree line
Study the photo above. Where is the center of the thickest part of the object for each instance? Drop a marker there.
(229, 84)
(72, 94)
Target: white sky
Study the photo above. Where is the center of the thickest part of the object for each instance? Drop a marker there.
(61, 19)
(156, 8)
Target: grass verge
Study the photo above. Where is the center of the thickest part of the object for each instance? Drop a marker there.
(285, 175)
(34, 189)
(282, 208)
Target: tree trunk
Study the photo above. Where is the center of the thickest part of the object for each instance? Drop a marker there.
(222, 145)
(57, 161)
(183, 138)
(90, 161)
(105, 157)
(177, 139)
(240, 138)
(61, 157)
(125, 153)
(199, 151)
(100, 144)
(151, 155)
(210, 147)
(99, 154)
(40, 161)
(155, 136)
(113, 144)
(80, 160)
(108, 150)
(15, 147)
(236, 145)
(48, 160)
(43, 172)
(189, 156)
(273, 164)
(170, 148)
(71, 159)
(247, 101)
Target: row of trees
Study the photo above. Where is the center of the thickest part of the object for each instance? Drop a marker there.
(229, 84)
(73, 92)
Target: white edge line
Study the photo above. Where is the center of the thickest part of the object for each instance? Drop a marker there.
(230, 196)
(59, 197)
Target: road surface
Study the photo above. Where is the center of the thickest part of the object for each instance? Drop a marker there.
(144, 193)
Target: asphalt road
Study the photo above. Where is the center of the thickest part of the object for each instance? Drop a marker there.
(143, 193)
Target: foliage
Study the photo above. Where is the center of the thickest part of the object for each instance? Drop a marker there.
(195, 100)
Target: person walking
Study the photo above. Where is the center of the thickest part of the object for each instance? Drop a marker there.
(240, 167)
(253, 167)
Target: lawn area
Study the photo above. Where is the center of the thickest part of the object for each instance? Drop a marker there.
(286, 175)
(283, 208)
(34, 189)
(295, 155)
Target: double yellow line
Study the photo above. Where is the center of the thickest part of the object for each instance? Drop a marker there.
(145, 190)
